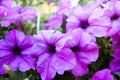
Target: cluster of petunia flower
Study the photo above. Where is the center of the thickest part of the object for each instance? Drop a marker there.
(50, 51)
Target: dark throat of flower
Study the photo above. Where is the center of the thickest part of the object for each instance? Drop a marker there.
(51, 49)
(75, 49)
(84, 24)
(16, 50)
(114, 17)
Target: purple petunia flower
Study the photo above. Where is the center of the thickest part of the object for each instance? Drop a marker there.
(51, 60)
(116, 41)
(65, 5)
(15, 51)
(84, 49)
(17, 15)
(3, 11)
(5, 5)
(115, 63)
(103, 75)
(87, 20)
(112, 13)
(56, 20)
(115, 66)
(100, 3)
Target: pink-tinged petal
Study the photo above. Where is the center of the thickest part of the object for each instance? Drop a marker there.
(71, 26)
(107, 11)
(48, 35)
(7, 3)
(42, 59)
(85, 39)
(115, 65)
(3, 11)
(45, 66)
(76, 34)
(80, 68)
(64, 6)
(39, 38)
(92, 50)
(27, 42)
(103, 75)
(39, 48)
(111, 5)
(5, 23)
(99, 3)
(79, 12)
(72, 38)
(73, 19)
(98, 31)
(27, 13)
(12, 18)
(54, 21)
(15, 36)
(26, 63)
(115, 28)
(55, 38)
(117, 6)
(97, 11)
(103, 21)
(61, 43)
(16, 10)
(45, 35)
(13, 13)
(65, 57)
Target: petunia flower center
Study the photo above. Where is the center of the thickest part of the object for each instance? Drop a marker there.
(52, 49)
(114, 17)
(84, 24)
(16, 50)
(75, 49)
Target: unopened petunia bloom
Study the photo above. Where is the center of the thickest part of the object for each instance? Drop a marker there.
(51, 60)
(104, 74)
(17, 15)
(15, 51)
(84, 49)
(89, 20)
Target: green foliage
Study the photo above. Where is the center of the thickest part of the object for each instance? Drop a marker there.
(4, 30)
